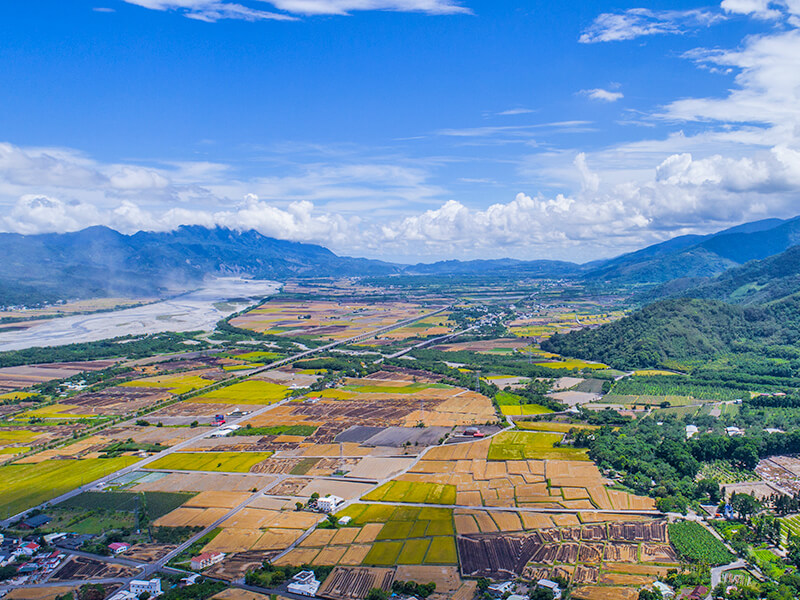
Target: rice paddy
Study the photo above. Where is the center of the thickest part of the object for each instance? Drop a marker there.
(176, 384)
(515, 406)
(246, 392)
(24, 486)
(414, 492)
(523, 445)
(232, 462)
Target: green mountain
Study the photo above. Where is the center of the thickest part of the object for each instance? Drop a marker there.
(680, 332)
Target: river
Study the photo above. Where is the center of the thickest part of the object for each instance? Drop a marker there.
(196, 310)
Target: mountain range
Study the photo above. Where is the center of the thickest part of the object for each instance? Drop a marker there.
(99, 261)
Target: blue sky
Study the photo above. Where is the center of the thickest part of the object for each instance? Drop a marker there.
(402, 129)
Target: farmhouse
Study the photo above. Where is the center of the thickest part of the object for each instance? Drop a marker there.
(119, 547)
(304, 583)
(546, 584)
(140, 586)
(329, 504)
(34, 522)
(201, 561)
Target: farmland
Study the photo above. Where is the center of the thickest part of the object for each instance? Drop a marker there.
(531, 445)
(23, 486)
(234, 462)
(387, 435)
(695, 543)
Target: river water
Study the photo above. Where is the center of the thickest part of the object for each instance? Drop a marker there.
(196, 310)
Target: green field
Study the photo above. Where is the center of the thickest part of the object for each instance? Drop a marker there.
(550, 426)
(410, 535)
(522, 445)
(383, 554)
(695, 543)
(258, 356)
(24, 486)
(515, 405)
(157, 504)
(16, 436)
(302, 430)
(232, 462)
(442, 551)
(246, 392)
(415, 492)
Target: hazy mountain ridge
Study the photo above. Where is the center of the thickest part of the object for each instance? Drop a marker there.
(701, 256)
(99, 261)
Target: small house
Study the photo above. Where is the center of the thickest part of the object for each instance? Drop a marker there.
(119, 547)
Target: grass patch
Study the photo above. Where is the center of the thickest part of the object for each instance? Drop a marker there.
(53, 411)
(246, 392)
(234, 462)
(524, 445)
(24, 486)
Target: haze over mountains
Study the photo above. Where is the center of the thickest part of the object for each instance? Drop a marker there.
(99, 261)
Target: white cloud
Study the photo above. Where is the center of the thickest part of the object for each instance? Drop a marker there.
(639, 22)
(760, 9)
(215, 10)
(515, 111)
(602, 95)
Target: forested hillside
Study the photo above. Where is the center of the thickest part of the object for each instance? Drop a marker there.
(685, 333)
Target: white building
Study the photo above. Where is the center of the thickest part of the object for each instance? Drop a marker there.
(732, 431)
(549, 585)
(140, 586)
(206, 559)
(691, 431)
(345, 520)
(329, 503)
(304, 583)
(498, 589)
(666, 591)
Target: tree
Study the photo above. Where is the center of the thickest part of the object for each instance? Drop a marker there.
(541, 594)
(653, 594)
(745, 456)
(377, 594)
(745, 505)
(144, 596)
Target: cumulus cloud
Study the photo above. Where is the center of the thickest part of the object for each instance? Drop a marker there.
(761, 9)
(602, 95)
(215, 10)
(640, 22)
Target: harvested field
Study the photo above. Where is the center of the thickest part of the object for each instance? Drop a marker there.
(353, 583)
(236, 565)
(39, 593)
(239, 594)
(593, 592)
(447, 579)
(200, 482)
(79, 567)
(191, 517)
(218, 499)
